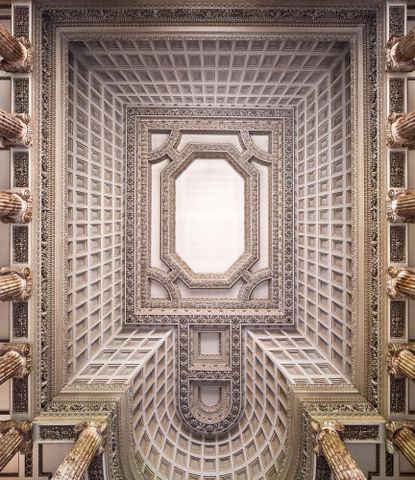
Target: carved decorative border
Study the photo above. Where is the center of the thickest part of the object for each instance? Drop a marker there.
(190, 407)
(397, 243)
(397, 169)
(396, 20)
(21, 21)
(280, 121)
(20, 319)
(200, 361)
(20, 242)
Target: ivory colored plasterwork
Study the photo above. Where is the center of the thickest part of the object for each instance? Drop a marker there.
(351, 18)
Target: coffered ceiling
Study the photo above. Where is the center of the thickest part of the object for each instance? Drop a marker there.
(251, 71)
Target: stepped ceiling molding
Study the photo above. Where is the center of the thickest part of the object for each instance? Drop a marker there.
(246, 79)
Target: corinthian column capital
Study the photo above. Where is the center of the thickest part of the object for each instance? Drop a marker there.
(15, 206)
(15, 284)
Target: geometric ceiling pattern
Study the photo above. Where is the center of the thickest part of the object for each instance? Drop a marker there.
(247, 72)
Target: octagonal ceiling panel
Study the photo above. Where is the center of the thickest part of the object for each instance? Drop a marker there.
(210, 215)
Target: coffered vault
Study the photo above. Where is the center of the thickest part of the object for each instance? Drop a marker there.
(208, 363)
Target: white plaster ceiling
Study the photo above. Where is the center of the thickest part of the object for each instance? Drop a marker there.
(230, 72)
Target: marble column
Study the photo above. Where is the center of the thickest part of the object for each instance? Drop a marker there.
(90, 442)
(329, 443)
(400, 436)
(16, 437)
(15, 361)
(401, 131)
(16, 53)
(15, 206)
(15, 130)
(400, 205)
(400, 53)
(401, 360)
(400, 282)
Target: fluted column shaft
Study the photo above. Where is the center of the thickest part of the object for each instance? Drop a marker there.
(11, 49)
(402, 362)
(16, 53)
(401, 205)
(14, 129)
(11, 365)
(401, 282)
(15, 207)
(10, 443)
(404, 439)
(15, 284)
(15, 437)
(341, 463)
(78, 459)
(402, 129)
(405, 125)
(404, 50)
